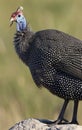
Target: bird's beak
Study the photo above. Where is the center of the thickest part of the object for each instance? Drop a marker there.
(11, 21)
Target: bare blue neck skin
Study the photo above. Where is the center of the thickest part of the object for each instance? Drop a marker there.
(21, 23)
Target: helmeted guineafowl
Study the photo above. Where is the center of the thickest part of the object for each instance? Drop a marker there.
(54, 59)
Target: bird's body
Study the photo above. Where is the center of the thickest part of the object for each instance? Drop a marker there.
(55, 61)
(45, 53)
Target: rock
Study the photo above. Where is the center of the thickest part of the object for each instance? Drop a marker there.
(36, 124)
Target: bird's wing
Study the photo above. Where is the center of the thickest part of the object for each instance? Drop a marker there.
(66, 51)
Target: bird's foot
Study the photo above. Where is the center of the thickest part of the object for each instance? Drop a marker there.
(63, 121)
(74, 122)
(59, 121)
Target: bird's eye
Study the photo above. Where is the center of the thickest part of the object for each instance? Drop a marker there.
(19, 15)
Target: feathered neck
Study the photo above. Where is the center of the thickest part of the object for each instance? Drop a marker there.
(22, 43)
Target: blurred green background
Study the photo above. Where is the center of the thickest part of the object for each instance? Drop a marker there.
(19, 97)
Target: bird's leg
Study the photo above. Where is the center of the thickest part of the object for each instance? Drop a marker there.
(74, 118)
(61, 115)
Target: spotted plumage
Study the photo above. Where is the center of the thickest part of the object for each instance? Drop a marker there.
(54, 59)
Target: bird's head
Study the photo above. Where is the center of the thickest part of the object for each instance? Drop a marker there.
(19, 18)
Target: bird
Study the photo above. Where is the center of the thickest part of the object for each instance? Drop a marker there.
(54, 59)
